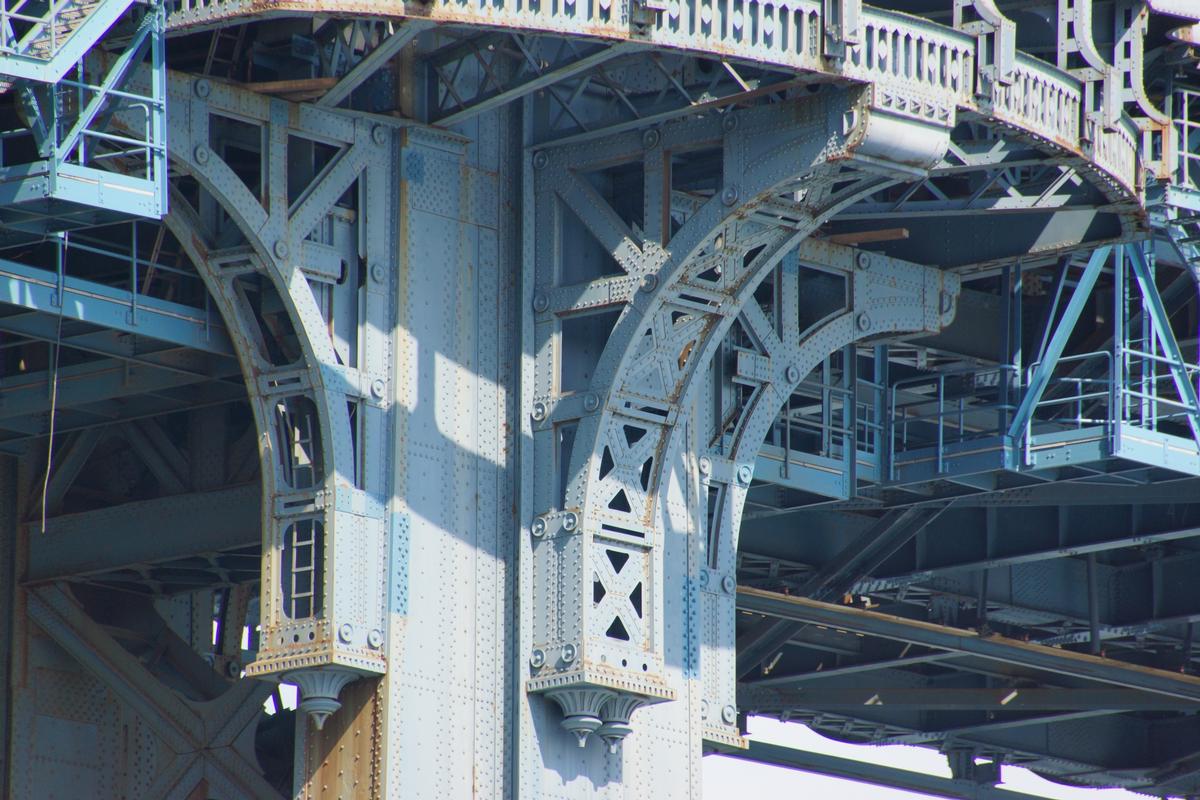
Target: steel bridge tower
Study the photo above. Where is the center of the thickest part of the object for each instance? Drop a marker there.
(542, 387)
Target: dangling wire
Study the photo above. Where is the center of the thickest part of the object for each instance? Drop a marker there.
(60, 256)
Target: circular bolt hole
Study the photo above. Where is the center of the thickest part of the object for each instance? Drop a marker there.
(540, 160)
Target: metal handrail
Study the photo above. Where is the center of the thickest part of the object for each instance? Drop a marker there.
(942, 413)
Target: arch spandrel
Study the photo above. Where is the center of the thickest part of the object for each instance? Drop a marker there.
(789, 167)
(324, 496)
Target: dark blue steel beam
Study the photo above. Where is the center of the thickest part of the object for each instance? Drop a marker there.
(869, 585)
(874, 774)
(81, 385)
(993, 648)
(145, 532)
(87, 338)
(941, 698)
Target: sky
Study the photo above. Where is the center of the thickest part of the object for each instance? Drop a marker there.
(728, 777)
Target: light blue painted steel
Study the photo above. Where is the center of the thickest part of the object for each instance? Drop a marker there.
(39, 55)
(117, 309)
(1040, 378)
(74, 174)
(1161, 321)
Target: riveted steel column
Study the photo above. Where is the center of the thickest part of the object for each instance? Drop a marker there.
(322, 409)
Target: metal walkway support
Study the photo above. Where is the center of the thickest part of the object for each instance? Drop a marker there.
(540, 388)
(91, 148)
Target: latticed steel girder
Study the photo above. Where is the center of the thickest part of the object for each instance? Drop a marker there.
(682, 163)
(673, 296)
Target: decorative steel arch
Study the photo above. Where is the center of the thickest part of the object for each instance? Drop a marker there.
(325, 492)
(599, 651)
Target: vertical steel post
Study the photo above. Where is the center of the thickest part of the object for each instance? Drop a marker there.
(1093, 590)
(1058, 342)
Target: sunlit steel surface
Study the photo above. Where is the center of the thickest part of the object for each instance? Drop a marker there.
(542, 387)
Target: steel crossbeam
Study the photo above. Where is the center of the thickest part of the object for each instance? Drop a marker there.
(116, 309)
(874, 774)
(145, 533)
(956, 640)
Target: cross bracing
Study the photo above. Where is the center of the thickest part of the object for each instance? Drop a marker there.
(620, 368)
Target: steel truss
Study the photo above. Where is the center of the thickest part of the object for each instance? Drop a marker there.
(720, 340)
